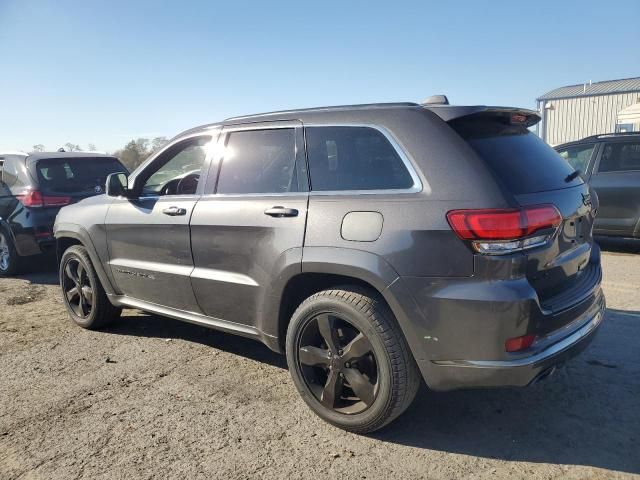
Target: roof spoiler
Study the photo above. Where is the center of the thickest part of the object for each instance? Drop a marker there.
(448, 113)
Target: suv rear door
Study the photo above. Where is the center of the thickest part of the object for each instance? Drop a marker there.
(616, 180)
(249, 226)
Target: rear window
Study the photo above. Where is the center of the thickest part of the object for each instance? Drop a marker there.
(75, 176)
(518, 157)
(354, 158)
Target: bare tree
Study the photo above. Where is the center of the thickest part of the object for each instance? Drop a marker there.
(38, 147)
(91, 147)
(157, 143)
(71, 147)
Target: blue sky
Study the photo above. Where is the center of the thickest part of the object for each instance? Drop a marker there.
(104, 72)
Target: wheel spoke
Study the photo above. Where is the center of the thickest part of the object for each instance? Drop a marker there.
(314, 356)
(332, 389)
(87, 293)
(82, 306)
(357, 348)
(72, 294)
(72, 276)
(360, 385)
(326, 327)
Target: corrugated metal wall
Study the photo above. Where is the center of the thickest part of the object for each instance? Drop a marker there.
(575, 118)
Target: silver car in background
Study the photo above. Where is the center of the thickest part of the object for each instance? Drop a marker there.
(611, 165)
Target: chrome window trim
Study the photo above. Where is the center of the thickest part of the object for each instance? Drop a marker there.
(253, 195)
(417, 186)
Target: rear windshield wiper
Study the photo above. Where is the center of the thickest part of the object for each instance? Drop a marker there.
(572, 176)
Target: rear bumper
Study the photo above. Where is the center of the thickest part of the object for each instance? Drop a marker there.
(522, 369)
(456, 328)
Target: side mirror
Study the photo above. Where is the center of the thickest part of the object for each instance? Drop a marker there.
(117, 185)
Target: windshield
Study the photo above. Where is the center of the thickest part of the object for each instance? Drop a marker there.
(520, 159)
(76, 176)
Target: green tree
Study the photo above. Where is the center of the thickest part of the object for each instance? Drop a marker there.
(134, 153)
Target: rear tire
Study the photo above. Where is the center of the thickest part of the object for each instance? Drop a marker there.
(10, 262)
(381, 366)
(82, 293)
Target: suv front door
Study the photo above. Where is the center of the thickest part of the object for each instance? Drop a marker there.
(249, 226)
(616, 180)
(148, 234)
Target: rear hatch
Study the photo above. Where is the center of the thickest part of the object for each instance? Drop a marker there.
(68, 180)
(567, 269)
(62, 181)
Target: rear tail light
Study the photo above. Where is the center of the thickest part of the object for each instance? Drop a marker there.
(502, 231)
(519, 343)
(34, 199)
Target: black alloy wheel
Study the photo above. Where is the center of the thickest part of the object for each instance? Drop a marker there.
(82, 293)
(77, 288)
(349, 359)
(338, 364)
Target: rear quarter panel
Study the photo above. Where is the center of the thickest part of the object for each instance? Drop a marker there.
(416, 239)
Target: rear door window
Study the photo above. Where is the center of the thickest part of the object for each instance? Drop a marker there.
(620, 157)
(578, 156)
(354, 158)
(259, 161)
(75, 176)
(520, 159)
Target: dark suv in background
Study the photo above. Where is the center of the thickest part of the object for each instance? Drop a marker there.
(611, 165)
(33, 188)
(375, 244)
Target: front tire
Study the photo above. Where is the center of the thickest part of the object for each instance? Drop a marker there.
(82, 292)
(349, 359)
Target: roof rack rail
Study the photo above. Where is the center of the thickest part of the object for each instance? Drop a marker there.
(612, 134)
(324, 109)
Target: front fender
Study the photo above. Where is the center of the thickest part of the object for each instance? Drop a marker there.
(81, 235)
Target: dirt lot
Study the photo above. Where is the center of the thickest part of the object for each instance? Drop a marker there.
(156, 398)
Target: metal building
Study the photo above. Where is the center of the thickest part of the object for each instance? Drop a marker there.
(578, 111)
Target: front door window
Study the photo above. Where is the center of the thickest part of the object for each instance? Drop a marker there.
(177, 171)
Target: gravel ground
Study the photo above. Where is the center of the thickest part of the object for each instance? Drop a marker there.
(155, 398)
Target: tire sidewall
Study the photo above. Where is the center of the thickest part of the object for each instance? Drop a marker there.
(305, 313)
(77, 253)
(11, 269)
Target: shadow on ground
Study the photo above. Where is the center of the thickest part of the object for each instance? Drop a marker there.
(147, 325)
(618, 245)
(586, 414)
(40, 270)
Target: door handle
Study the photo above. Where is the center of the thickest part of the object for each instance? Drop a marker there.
(174, 211)
(280, 212)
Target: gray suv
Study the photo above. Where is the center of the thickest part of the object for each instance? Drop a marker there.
(375, 245)
(611, 165)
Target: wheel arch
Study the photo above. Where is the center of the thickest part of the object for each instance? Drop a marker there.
(323, 268)
(67, 235)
